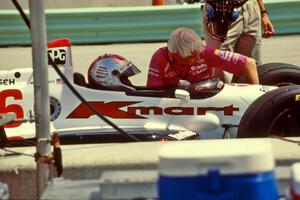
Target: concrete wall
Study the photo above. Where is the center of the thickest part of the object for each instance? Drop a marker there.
(7, 4)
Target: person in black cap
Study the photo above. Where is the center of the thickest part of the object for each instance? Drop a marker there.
(235, 25)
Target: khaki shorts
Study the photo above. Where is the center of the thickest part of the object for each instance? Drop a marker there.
(244, 34)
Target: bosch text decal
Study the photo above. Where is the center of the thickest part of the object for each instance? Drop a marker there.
(10, 81)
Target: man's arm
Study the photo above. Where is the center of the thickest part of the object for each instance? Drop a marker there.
(235, 63)
(265, 20)
(155, 74)
(250, 71)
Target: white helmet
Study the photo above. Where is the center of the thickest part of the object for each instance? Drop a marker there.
(111, 70)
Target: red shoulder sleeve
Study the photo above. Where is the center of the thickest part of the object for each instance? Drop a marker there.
(158, 63)
(225, 60)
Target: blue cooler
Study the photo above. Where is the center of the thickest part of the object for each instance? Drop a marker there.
(241, 169)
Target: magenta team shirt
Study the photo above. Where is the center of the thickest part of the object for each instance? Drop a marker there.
(163, 72)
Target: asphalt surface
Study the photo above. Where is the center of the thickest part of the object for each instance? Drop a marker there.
(276, 49)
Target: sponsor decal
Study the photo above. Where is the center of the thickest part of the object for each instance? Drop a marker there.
(7, 81)
(113, 110)
(11, 108)
(101, 72)
(153, 72)
(217, 51)
(199, 68)
(235, 58)
(227, 55)
(10, 81)
(57, 55)
(297, 97)
(222, 54)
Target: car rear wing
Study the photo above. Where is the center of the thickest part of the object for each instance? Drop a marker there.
(60, 52)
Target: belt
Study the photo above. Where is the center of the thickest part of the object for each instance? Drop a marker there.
(231, 3)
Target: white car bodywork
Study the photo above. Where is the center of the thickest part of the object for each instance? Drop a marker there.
(128, 110)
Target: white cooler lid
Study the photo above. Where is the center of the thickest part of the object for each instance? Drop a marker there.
(230, 156)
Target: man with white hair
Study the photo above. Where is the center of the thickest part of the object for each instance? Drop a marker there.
(186, 58)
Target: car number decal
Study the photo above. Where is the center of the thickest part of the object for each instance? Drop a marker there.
(112, 109)
(11, 108)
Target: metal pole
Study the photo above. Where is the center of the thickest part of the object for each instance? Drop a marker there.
(41, 92)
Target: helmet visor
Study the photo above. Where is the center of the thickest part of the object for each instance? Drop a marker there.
(131, 70)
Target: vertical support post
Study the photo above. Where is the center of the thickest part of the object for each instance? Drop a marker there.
(41, 91)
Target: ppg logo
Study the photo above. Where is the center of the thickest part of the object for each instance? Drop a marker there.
(57, 55)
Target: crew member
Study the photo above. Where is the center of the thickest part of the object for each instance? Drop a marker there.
(186, 58)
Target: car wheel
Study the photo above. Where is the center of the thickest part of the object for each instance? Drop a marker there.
(278, 74)
(275, 113)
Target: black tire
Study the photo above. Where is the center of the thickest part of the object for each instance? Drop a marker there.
(275, 113)
(279, 74)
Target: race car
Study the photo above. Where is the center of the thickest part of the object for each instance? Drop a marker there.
(209, 109)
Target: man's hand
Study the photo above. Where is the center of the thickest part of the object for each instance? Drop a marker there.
(267, 25)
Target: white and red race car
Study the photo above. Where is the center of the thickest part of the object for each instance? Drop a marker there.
(205, 110)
